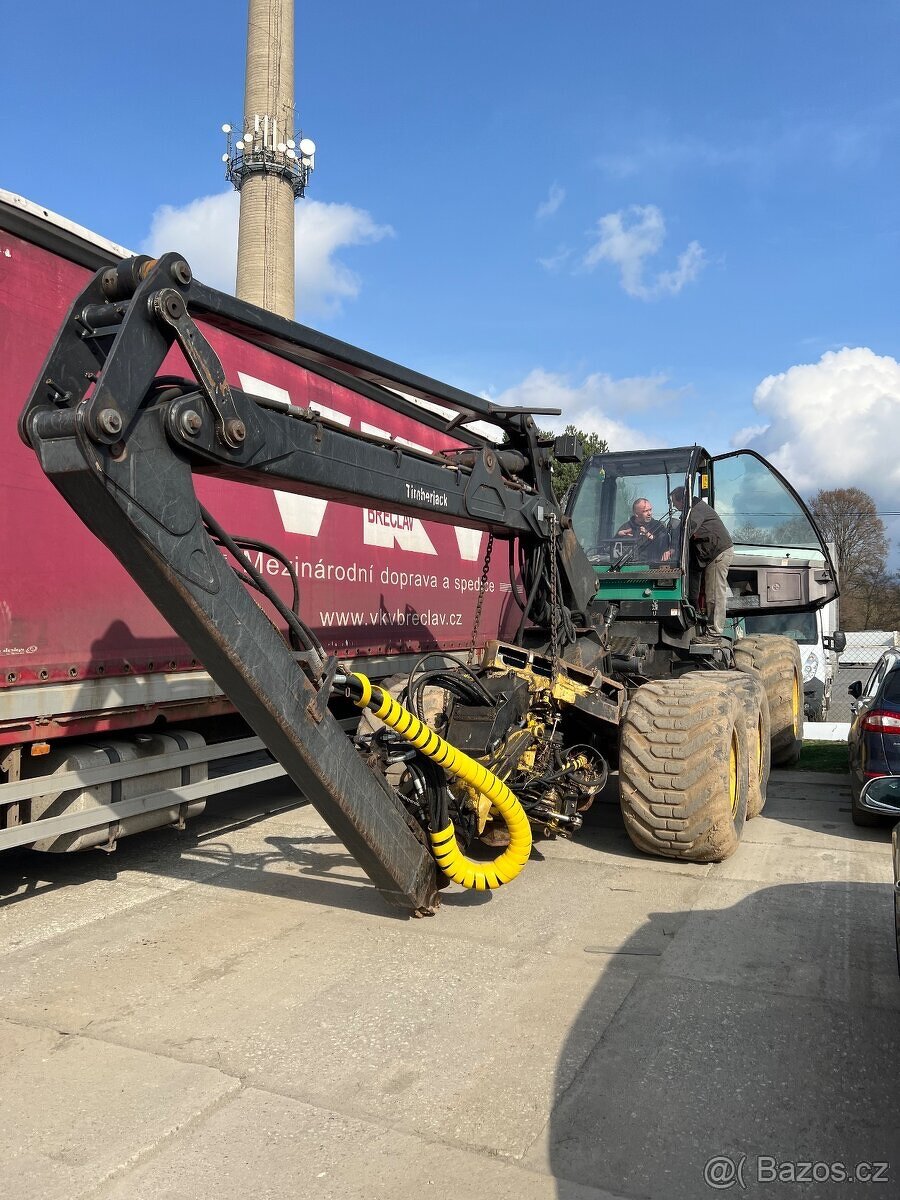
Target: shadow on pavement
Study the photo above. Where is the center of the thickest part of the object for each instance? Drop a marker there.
(765, 1030)
(206, 852)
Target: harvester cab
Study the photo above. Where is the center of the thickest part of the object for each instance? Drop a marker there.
(649, 586)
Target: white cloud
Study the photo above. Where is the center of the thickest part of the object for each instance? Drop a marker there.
(834, 423)
(587, 404)
(555, 262)
(548, 207)
(628, 238)
(758, 150)
(205, 231)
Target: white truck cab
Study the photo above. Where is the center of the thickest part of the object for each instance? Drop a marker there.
(819, 641)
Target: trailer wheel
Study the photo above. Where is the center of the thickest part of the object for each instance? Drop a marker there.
(777, 659)
(683, 769)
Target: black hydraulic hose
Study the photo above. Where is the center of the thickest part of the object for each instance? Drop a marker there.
(307, 638)
(447, 682)
(246, 579)
(454, 666)
(539, 555)
(514, 591)
(457, 679)
(246, 543)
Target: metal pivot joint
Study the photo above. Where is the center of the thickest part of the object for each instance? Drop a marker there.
(168, 307)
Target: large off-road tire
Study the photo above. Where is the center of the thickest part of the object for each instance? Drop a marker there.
(683, 773)
(749, 686)
(777, 659)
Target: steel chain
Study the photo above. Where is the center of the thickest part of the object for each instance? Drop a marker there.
(554, 596)
(481, 590)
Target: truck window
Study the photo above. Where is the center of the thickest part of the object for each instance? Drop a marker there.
(802, 627)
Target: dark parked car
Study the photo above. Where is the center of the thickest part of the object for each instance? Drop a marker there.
(895, 843)
(874, 743)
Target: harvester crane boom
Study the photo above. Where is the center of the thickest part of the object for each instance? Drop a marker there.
(121, 444)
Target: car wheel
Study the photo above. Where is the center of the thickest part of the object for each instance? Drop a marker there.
(861, 817)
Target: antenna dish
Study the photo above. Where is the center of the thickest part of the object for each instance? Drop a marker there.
(224, 158)
(226, 129)
(291, 144)
(239, 145)
(307, 147)
(282, 147)
(292, 154)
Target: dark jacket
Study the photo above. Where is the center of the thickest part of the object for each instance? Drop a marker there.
(651, 544)
(707, 533)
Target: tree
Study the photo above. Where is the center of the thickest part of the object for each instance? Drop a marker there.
(871, 600)
(848, 518)
(565, 474)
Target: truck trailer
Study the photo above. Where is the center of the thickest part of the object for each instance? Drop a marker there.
(109, 724)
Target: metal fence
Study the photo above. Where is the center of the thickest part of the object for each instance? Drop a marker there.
(839, 709)
(863, 650)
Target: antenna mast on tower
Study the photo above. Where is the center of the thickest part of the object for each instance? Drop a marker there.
(269, 162)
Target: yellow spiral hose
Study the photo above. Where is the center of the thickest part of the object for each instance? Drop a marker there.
(449, 857)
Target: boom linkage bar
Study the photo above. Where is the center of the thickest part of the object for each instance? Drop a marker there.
(356, 368)
(121, 451)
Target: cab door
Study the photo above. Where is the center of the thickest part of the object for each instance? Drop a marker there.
(781, 562)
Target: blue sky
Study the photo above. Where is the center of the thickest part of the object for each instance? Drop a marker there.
(641, 211)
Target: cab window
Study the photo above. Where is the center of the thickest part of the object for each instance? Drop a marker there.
(620, 510)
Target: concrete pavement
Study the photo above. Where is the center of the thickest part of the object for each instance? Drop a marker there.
(233, 1011)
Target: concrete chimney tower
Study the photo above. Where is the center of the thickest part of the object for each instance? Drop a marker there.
(269, 164)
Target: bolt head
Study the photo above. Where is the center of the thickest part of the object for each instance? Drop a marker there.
(235, 430)
(191, 422)
(109, 421)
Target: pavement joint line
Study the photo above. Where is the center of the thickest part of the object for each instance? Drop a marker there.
(140, 1156)
(95, 1190)
(249, 1083)
(803, 821)
(795, 881)
(641, 863)
(493, 1153)
(159, 894)
(853, 846)
(768, 883)
(245, 1083)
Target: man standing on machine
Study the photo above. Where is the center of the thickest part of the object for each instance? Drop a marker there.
(711, 552)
